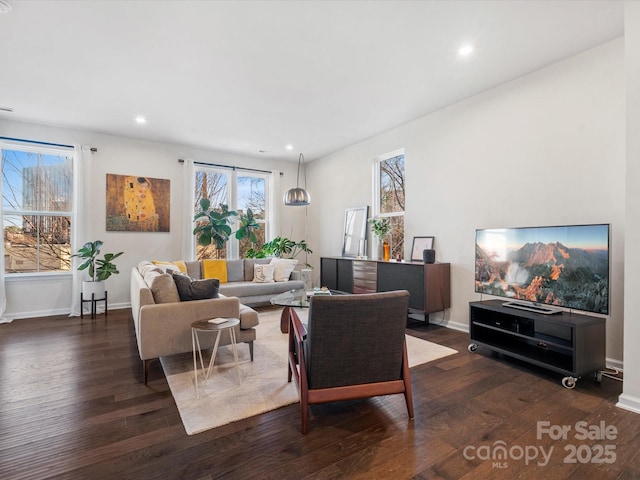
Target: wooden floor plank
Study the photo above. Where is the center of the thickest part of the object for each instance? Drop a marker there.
(72, 405)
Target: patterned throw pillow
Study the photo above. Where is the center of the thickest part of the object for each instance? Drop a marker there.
(189, 289)
(263, 273)
(283, 268)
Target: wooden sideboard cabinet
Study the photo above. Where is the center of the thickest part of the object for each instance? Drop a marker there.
(428, 284)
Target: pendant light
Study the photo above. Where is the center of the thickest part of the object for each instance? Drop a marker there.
(298, 196)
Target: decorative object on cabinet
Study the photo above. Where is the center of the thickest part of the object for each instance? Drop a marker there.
(419, 245)
(354, 238)
(381, 228)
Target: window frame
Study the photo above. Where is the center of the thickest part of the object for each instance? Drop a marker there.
(232, 173)
(44, 149)
(376, 194)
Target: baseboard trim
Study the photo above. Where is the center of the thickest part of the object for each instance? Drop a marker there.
(629, 402)
(460, 327)
(10, 317)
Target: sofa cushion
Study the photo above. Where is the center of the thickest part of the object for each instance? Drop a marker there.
(189, 289)
(194, 269)
(248, 267)
(179, 264)
(235, 270)
(145, 267)
(263, 273)
(283, 268)
(214, 269)
(255, 289)
(162, 287)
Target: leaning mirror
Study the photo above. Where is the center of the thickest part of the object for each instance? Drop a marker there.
(355, 232)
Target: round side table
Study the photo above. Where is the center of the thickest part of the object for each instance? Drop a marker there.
(217, 328)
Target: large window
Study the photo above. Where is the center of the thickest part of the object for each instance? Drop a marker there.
(37, 208)
(389, 201)
(240, 190)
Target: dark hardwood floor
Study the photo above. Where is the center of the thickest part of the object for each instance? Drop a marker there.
(72, 406)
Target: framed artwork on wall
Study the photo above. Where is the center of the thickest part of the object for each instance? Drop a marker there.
(419, 245)
(137, 204)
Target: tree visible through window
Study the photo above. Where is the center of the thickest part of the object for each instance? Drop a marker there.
(391, 195)
(37, 207)
(250, 191)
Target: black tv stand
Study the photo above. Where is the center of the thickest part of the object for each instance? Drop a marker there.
(568, 343)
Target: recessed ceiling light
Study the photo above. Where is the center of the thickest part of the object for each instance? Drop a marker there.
(141, 120)
(289, 147)
(465, 50)
(5, 6)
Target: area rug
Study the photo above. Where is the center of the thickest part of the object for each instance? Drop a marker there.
(263, 386)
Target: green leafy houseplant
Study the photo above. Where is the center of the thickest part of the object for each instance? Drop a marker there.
(248, 227)
(280, 247)
(213, 224)
(380, 227)
(99, 268)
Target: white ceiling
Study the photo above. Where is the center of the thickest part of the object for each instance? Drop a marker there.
(246, 76)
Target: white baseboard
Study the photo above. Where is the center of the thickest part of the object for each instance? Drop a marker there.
(50, 313)
(460, 327)
(629, 402)
(613, 363)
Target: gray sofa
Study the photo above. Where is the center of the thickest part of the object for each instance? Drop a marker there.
(240, 274)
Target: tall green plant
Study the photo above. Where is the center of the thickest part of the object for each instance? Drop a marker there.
(213, 224)
(248, 227)
(99, 268)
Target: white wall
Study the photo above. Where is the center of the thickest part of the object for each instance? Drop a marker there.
(630, 398)
(545, 149)
(125, 156)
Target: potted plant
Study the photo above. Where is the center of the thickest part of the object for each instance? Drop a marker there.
(213, 224)
(99, 269)
(381, 228)
(280, 247)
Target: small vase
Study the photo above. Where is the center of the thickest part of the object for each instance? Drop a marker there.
(386, 251)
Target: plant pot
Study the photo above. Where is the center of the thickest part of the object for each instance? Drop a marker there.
(95, 288)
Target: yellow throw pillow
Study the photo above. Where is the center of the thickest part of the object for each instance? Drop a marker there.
(179, 263)
(215, 269)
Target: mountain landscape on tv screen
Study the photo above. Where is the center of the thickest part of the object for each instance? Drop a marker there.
(548, 273)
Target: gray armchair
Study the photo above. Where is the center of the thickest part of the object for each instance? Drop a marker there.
(352, 347)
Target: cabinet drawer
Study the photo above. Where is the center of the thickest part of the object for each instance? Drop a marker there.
(364, 277)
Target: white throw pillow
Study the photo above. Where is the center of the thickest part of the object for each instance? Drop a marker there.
(263, 273)
(283, 268)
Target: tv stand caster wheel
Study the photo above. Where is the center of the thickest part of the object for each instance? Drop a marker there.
(569, 382)
(472, 347)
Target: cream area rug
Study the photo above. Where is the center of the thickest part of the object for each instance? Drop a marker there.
(263, 383)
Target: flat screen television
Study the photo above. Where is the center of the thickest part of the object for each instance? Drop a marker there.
(534, 267)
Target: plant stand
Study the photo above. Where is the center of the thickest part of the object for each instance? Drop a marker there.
(93, 301)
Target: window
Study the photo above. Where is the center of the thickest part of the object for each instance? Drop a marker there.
(390, 194)
(37, 208)
(240, 190)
